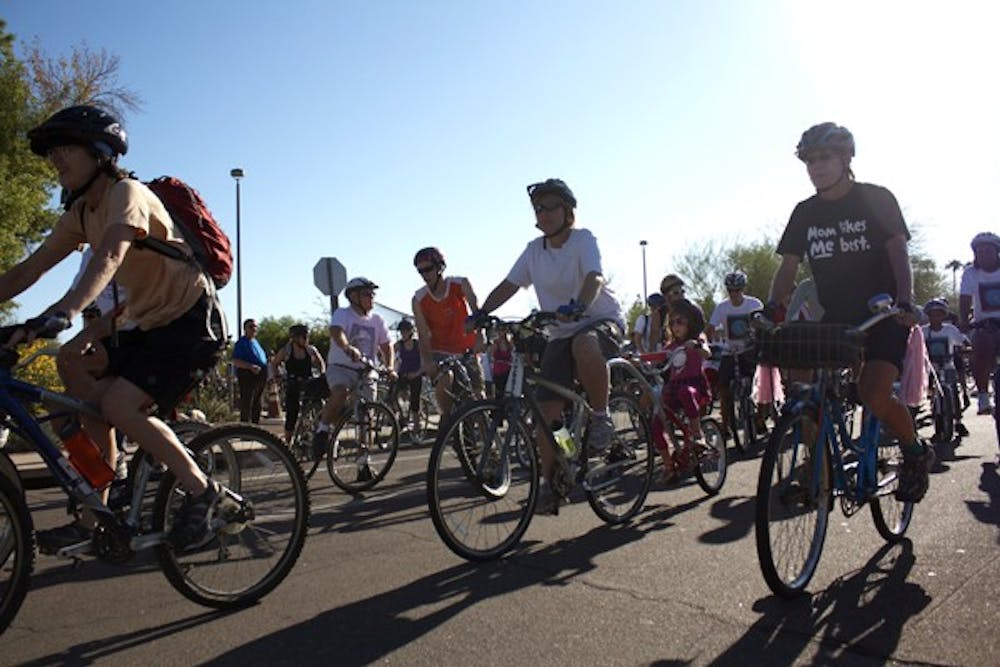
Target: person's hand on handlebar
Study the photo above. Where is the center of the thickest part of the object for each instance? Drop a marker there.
(571, 311)
(908, 315)
(43, 326)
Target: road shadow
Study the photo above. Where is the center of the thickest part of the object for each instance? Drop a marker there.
(368, 630)
(988, 511)
(859, 619)
(737, 515)
(89, 652)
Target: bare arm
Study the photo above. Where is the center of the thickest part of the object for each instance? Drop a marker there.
(317, 359)
(23, 275)
(899, 260)
(470, 294)
(423, 340)
(592, 285)
(388, 359)
(101, 269)
(500, 295)
(784, 278)
(964, 310)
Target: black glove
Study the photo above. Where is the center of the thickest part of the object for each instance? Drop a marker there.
(48, 326)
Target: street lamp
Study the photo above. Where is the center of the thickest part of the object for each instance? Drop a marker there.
(237, 174)
(645, 296)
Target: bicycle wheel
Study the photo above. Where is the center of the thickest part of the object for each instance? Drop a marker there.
(302, 437)
(258, 540)
(734, 416)
(363, 447)
(793, 503)
(617, 481)
(891, 516)
(481, 505)
(17, 550)
(712, 463)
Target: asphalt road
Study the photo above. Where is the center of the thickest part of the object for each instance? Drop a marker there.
(680, 585)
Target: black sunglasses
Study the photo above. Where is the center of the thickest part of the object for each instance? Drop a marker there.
(426, 269)
(542, 208)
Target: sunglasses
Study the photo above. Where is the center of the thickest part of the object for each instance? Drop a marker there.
(426, 269)
(542, 208)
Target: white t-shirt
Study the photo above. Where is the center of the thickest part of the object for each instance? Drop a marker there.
(557, 275)
(732, 323)
(941, 344)
(642, 328)
(365, 332)
(984, 288)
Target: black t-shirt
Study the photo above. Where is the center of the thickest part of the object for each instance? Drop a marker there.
(844, 241)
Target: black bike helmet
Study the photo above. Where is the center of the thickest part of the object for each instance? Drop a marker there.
(825, 135)
(553, 186)
(85, 125)
(655, 300)
(298, 330)
(736, 280)
(405, 325)
(429, 254)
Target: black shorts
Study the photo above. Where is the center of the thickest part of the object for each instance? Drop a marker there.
(166, 362)
(557, 360)
(727, 366)
(886, 341)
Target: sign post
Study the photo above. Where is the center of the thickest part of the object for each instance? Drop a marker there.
(330, 277)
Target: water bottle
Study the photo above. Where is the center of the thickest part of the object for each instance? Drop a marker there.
(86, 456)
(564, 439)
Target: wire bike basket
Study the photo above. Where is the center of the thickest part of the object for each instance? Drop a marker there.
(810, 345)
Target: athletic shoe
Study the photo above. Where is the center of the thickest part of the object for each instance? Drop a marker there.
(602, 430)
(52, 540)
(191, 520)
(912, 475)
(985, 406)
(961, 430)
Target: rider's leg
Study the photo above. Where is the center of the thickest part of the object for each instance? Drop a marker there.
(875, 387)
(592, 370)
(442, 391)
(984, 359)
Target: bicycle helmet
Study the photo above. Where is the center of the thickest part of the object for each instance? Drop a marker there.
(736, 280)
(825, 135)
(429, 254)
(405, 325)
(691, 311)
(936, 304)
(553, 186)
(670, 281)
(985, 237)
(86, 125)
(655, 300)
(358, 283)
(298, 330)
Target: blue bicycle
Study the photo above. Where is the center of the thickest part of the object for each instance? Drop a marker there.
(811, 457)
(258, 525)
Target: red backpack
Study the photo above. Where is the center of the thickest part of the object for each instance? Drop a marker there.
(210, 246)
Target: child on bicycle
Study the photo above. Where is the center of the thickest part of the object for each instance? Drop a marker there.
(943, 339)
(686, 389)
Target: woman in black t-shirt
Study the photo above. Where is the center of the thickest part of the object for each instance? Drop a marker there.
(854, 238)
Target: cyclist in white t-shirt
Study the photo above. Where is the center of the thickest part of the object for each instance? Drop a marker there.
(356, 333)
(730, 323)
(942, 340)
(979, 297)
(564, 266)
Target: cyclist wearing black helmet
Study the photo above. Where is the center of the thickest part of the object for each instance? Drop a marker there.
(564, 266)
(642, 339)
(299, 358)
(180, 325)
(410, 374)
(854, 238)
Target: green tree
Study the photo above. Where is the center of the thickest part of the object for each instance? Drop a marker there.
(24, 179)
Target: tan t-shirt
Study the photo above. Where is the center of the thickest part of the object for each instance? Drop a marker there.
(160, 289)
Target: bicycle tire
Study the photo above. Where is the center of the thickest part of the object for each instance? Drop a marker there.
(17, 550)
(786, 494)
(301, 444)
(712, 464)
(462, 501)
(891, 517)
(369, 441)
(734, 417)
(259, 551)
(617, 481)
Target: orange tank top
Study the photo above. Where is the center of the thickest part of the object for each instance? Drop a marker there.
(446, 318)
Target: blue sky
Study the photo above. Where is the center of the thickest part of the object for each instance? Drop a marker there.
(370, 129)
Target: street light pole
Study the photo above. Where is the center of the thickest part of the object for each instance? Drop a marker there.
(645, 295)
(237, 174)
